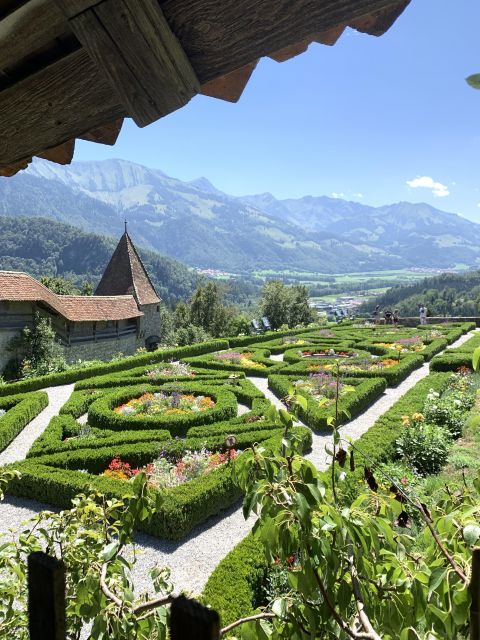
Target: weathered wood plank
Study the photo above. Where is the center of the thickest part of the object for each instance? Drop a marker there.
(133, 45)
(106, 134)
(231, 86)
(11, 169)
(377, 23)
(31, 27)
(46, 597)
(62, 154)
(72, 8)
(219, 36)
(61, 102)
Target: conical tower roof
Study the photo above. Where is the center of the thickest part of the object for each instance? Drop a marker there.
(126, 275)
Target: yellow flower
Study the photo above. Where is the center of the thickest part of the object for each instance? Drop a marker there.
(418, 416)
(405, 421)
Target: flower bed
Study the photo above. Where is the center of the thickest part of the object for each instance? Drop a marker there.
(167, 404)
(366, 391)
(163, 473)
(239, 359)
(327, 353)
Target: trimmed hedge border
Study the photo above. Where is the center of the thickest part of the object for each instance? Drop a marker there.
(259, 355)
(393, 375)
(20, 411)
(235, 584)
(55, 479)
(102, 416)
(367, 390)
(72, 375)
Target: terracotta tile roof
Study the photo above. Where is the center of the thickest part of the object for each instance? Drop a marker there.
(126, 275)
(97, 308)
(20, 287)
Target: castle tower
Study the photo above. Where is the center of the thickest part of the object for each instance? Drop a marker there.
(126, 275)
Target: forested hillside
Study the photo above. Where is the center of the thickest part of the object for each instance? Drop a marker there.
(42, 247)
(447, 294)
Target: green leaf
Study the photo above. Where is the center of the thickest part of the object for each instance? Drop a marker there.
(279, 607)
(301, 401)
(476, 359)
(471, 533)
(474, 81)
(109, 551)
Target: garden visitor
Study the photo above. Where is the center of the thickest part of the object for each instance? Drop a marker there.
(388, 316)
(376, 314)
(395, 317)
(423, 314)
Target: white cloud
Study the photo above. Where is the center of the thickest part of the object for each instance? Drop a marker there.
(426, 182)
(337, 195)
(358, 195)
(478, 205)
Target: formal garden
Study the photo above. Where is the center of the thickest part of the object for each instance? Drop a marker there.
(168, 442)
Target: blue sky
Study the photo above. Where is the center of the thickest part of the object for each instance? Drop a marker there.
(375, 120)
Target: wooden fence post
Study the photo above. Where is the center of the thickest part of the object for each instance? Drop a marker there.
(46, 597)
(189, 620)
(474, 589)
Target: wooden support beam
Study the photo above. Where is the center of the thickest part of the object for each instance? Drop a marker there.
(46, 597)
(61, 102)
(133, 45)
(62, 154)
(231, 86)
(378, 22)
(28, 29)
(220, 36)
(105, 134)
(11, 169)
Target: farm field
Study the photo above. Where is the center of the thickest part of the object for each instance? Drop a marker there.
(186, 417)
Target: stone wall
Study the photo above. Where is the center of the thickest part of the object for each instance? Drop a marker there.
(101, 349)
(149, 323)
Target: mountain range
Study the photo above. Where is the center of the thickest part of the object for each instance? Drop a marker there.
(198, 224)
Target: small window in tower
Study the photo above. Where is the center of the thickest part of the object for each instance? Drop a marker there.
(158, 307)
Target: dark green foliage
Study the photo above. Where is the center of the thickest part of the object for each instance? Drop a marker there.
(284, 305)
(235, 585)
(261, 355)
(21, 410)
(101, 414)
(392, 375)
(366, 392)
(72, 375)
(49, 248)
(55, 478)
(449, 294)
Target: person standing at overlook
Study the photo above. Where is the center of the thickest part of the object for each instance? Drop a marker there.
(423, 314)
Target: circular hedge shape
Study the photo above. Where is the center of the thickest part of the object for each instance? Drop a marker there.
(294, 355)
(101, 413)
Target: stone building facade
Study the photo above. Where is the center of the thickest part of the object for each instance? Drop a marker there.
(123, 315)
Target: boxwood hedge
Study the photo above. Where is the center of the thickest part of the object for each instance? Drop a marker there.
(122, 364)
(392, 375)
(367, 390)
(20, 410)
(57, 478)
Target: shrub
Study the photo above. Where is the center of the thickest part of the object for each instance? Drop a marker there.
(423, 446)
(20, 411)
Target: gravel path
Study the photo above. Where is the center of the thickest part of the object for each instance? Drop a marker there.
(193, 559)
(18, 449)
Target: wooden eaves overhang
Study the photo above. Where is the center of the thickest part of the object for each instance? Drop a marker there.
(76, 68)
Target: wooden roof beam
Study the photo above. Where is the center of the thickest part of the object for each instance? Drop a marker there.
(220, 36)
(231, 86)
(134, 47)
(61, 102)
(30, 28)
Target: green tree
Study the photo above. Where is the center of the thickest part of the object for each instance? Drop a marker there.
(41, 352)
(208, 311)
(87, 289)
(60, 286)
(299, 311)
(274, 303)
